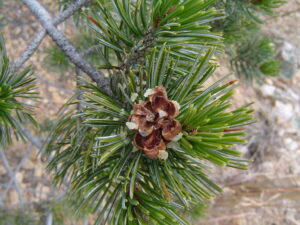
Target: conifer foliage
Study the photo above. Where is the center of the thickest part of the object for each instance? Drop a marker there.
(141, 156)
(251, 52)
(14, 88)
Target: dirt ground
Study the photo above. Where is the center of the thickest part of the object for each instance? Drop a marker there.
(267, 194)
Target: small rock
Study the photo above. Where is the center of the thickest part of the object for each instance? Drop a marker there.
(43, 190)
(268, 90)
(291, 145)
(281, 132)
(13, 197)
(29, 165)
(2, 170)
(293, 95)
(267, 166)
(283, 111)
(289, 55)
(288, 52)
(39, 171)
(19, 177)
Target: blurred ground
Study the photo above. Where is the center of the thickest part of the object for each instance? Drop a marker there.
(267, 194)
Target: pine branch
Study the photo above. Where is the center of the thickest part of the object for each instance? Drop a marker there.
(37, 40)
(13, 88)
(128, 30)
(141, 159)
(53, 84)
(96, 148)
(10, 173)
(58, 37)
(19, 166)
(33, 139)
(90, 50)
(252, 54)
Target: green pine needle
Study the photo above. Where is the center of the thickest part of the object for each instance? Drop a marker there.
(128, 30)
(145, 44)
(14, 89)
(100, 160)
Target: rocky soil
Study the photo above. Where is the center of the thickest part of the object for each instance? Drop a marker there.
(269, 193)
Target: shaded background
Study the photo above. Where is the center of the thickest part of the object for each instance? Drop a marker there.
(267, 194)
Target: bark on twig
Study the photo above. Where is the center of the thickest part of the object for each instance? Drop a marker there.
(34, 140)
(19, 166)
(55, 85)
(69, 50)
(37, 40)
